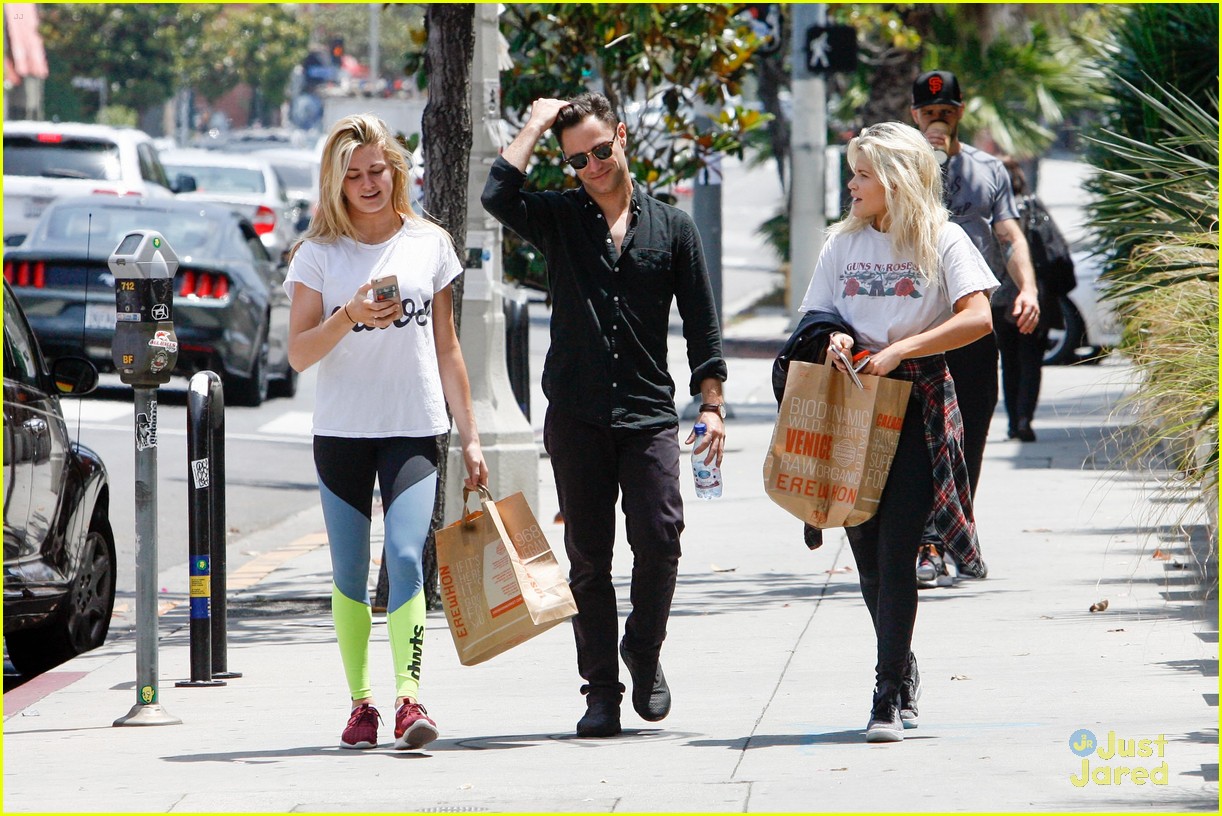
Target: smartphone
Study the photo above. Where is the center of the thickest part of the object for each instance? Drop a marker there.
(848, 365)
(385, 289)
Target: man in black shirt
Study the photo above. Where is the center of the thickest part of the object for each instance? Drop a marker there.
(616, 258)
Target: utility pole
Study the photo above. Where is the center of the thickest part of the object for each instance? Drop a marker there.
(375, 43)
(507, 439)
(807, 216)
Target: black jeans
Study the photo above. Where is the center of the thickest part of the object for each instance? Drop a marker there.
(593, 465)
(885, 548)
(1022, 359)
(974, 370)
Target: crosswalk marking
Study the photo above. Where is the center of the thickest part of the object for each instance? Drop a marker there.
(290, 423)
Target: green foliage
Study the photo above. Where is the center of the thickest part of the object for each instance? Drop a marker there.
(134, 47)
(659, 65)
(147, 52)
(1017, 87)
(1154, 211)
(117, 116)
(258, 45)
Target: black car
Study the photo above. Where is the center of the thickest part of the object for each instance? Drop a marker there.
(59, 551)
(230, 308)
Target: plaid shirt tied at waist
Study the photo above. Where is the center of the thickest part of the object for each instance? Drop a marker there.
(952, 515)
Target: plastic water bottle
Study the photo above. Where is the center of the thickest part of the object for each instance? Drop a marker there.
(708, 477)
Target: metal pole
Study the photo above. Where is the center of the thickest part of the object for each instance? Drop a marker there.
(807, 218)
(148, 709)
(199, 481)
(218, 538)
(706, 213)
(375, 44)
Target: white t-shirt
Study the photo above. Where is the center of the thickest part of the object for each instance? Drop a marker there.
(882, 295)
(380, 382)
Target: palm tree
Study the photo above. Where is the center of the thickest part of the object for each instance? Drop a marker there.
(1154, 213)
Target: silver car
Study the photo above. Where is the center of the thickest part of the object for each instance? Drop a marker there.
(246, 181)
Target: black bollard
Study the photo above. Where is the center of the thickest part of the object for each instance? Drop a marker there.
(219, 535)
(201, 475)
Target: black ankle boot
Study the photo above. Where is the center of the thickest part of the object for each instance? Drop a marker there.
(602, 716)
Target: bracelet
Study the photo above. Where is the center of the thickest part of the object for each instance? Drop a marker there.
(353, 322)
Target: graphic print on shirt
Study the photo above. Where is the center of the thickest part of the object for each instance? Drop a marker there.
(873, 279)
(411, 314)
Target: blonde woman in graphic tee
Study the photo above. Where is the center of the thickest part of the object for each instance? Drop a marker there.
(911, 286)
(386, 371)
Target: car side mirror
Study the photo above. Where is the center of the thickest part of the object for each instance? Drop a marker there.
(184, 183)
(74, 376)
(14, 240)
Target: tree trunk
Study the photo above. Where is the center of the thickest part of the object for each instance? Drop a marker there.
(447, 152)
(894, 71)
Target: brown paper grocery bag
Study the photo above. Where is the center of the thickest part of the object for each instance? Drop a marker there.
(500, 582)
(833, 444)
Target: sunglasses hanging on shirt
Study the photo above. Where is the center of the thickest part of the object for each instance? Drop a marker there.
(601, 152)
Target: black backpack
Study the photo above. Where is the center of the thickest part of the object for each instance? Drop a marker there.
(1049, 253)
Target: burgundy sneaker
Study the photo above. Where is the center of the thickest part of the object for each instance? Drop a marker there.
(414, 728)
(362, 730)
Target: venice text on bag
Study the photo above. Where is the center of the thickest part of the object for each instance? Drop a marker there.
(500, 581)
(833, 444)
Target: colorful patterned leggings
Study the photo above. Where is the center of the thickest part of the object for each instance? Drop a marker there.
(406, 470)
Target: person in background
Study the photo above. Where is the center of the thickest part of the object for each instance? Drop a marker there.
(976, 190)
(616, 259)
(931, 296)
(1022, 354)
(386, 372)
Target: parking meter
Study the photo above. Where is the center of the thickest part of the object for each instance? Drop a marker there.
(145, 347)
(144, 351)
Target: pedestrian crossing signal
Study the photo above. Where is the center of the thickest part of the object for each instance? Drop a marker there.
(831, 49)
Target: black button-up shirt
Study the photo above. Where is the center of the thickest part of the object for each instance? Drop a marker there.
(611, 312)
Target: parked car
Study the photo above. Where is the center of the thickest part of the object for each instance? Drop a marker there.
(59, 550)
(298, 172)
(1091, 326)
(230, 309)
(44, 161)
(244, 181)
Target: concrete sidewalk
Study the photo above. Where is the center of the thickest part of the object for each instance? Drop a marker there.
(770, 656)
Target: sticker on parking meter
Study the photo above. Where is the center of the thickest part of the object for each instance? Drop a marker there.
(147, 694)
(160, 312)
(146, 429)
(160, 360)
(164, 339)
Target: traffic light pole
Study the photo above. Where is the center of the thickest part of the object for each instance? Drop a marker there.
(807, 216)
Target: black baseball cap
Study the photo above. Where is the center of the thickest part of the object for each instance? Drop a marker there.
(936, 88)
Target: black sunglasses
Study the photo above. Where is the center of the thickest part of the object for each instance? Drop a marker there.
(601, 152)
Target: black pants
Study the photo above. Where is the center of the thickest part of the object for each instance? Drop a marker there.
(885, 548)
(974, 370)
(1022, 359)
(593, 465)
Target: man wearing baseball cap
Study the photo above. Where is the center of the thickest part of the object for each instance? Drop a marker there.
(978, 195)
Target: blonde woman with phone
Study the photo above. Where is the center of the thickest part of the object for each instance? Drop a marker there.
(372, 306)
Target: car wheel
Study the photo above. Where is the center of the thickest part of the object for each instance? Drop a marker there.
(285, 386)
(1063, 344)
(84, 619)
(251, 391)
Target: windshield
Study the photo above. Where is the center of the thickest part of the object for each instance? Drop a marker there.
(192, 235)
(220, 179)
(53, 156)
